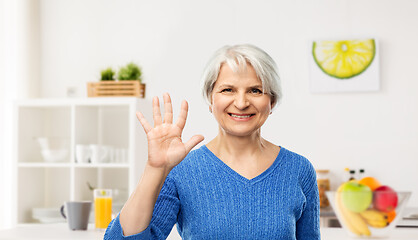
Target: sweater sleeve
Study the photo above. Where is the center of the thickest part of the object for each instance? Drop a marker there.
(307, 227)
(163, 218)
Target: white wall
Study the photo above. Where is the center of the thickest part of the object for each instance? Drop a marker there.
(2, 125)
(172, 40)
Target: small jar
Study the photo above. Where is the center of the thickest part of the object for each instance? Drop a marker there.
(322, 179)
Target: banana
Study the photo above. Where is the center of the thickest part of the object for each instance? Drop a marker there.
(375, 218)
(353, 221)
(377, 224)
(374, 215)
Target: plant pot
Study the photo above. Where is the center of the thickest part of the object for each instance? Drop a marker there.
(116, 89)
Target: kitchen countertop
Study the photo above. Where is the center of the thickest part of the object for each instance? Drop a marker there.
(397, 234)
(50, 231)
(58, 231)
(61, 231)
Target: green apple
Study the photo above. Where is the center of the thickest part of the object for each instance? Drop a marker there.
(356, 197)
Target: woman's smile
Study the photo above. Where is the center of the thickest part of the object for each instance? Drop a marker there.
(241, 117)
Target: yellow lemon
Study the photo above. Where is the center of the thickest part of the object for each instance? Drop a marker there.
(344, 59)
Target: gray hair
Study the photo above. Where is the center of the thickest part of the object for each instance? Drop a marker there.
(237, 57)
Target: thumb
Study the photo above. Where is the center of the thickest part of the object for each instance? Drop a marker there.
(193, 141)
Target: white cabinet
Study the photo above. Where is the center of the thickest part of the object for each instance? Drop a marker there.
(109, 122)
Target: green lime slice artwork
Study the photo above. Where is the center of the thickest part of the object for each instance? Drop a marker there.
(344, 59)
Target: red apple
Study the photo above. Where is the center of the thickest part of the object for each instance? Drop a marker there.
(385, 199)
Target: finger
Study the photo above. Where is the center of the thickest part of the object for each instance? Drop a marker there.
(156, 111)
(168, 109)
(147, 127)
(196, 139)
(181, 120)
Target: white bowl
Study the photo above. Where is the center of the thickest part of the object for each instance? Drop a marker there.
(54, 149)
(47, 215)
(58, 155)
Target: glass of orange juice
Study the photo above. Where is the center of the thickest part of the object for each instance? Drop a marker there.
(102, 207)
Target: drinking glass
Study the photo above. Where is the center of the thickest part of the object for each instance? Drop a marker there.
(102, 207)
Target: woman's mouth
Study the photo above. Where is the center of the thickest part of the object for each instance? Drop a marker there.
(241, 116)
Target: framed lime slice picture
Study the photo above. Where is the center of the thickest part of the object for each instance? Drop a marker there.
(344, 65)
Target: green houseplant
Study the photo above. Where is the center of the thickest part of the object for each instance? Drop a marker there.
(129, 83)
(107, 74)
(130, 72)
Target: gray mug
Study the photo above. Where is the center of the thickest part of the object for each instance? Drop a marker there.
(78, 213)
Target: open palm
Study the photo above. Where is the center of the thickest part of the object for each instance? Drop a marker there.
(165, 146)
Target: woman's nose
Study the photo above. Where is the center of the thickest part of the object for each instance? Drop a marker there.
(241, 101)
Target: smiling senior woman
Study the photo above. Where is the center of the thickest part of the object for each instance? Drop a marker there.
(237, 186)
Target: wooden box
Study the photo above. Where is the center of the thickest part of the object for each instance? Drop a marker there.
(116, 89)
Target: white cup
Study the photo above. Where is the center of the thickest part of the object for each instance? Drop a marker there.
(121, 155)
(98, 153)
(82, 153)
(111, 155)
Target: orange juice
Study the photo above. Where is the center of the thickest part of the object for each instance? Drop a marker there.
(102, 211)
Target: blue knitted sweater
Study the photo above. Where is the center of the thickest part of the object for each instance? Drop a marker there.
(209, 200)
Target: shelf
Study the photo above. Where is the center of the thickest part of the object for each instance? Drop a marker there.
(43, 165)
(41, 188)
(76, 165)
(100, 101)
(102, 165)
(107, 122)
(109, 178)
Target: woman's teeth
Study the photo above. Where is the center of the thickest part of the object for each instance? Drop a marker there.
(241, 116)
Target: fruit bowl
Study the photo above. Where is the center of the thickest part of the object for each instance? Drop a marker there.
(368, 214)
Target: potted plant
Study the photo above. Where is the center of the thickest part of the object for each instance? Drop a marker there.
(128, 84)
(107, 74)
(130, 72)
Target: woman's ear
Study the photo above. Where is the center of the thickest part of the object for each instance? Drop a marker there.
(272, 106)
(273, 103)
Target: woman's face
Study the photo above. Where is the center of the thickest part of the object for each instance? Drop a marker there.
(238, 102)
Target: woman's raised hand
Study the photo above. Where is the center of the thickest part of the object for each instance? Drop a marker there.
(165, 151)
(165, 146)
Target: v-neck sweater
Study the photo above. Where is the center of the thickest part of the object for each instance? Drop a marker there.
(209, 200)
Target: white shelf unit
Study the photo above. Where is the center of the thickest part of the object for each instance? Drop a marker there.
(104, 121)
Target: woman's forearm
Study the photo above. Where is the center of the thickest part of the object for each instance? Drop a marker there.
(136, 214)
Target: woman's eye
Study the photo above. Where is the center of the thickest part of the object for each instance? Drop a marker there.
(256, 91)
(227, 90)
